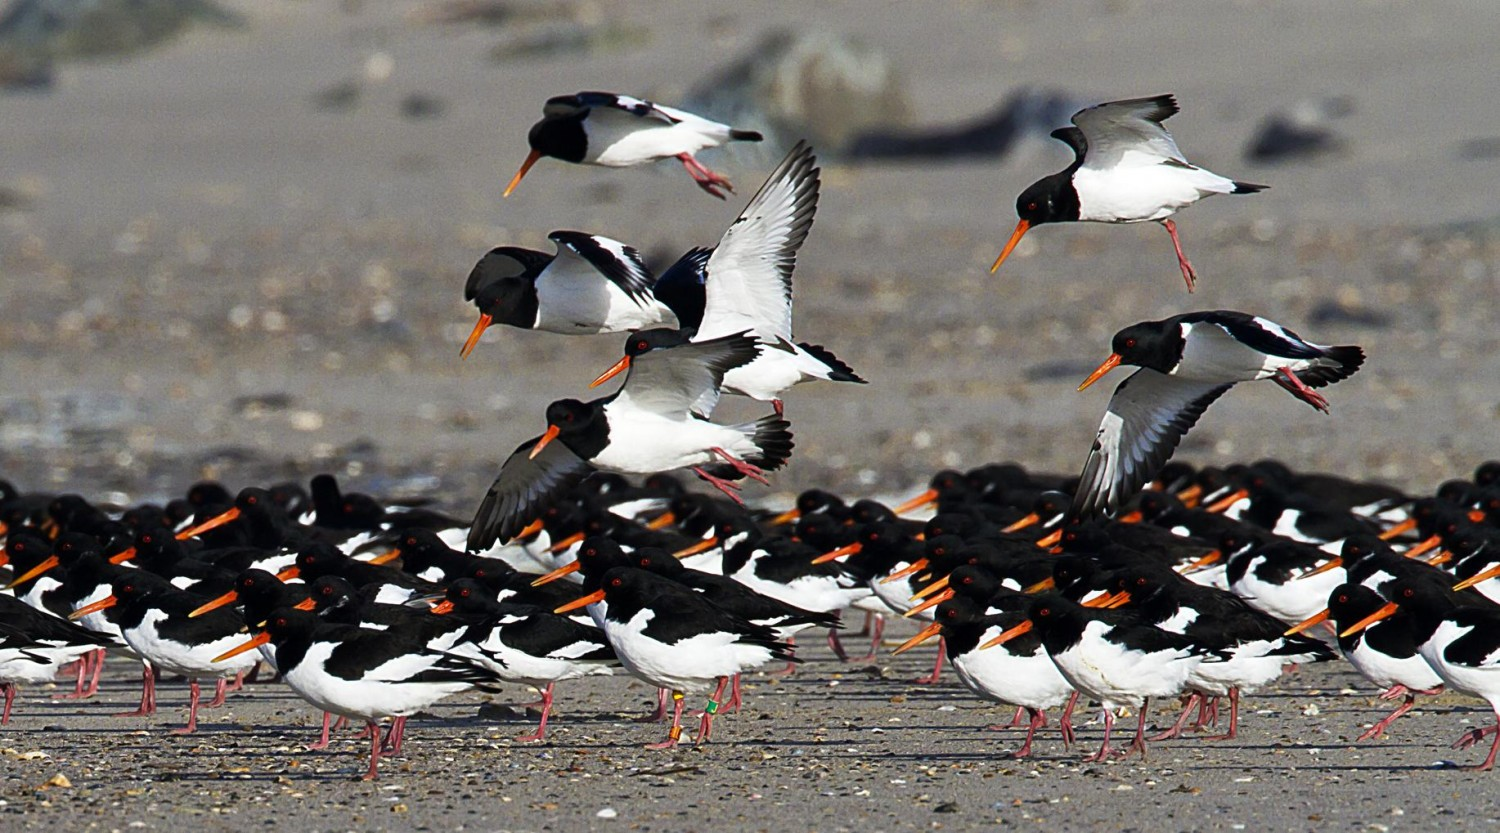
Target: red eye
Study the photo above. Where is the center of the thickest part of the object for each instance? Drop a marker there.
(249, 582)
(1407, 593)
(1343, 599)
(1046, 611)
(252, 500)
(1140, 582)
(1031, 206)
(640, 345)
(1129, 342)
(614, 582)
(464, 593)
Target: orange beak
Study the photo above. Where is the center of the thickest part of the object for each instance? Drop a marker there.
(122, 556)
(525, 166)
(1405, 526)
(1015, 238)
(1425, 546)
(4, 556)
(1190, 495)
(571, 567)
(255, 642)
(1023, 523)
(931, 588)
(1227, 501)
(1478, 578)
(702, 546)
(927, 633)
(290, 573)
(1132, 517)
(1477, 515)
(927, 498)
(306, 604)
(212, 523)
(596, 596)
(552, 432)
(615, 369)
(1104, 367)
(1315, 619)
(386, 558)
(834, 555)
(1050, 539)
(1213, 557)
(227, 598)
(47, 563)
(1105, 601)
(485, 319)
(443, 607)
(1024, 627)
(1385, 612)
(788, 516)
(531, 529)
(915, 567)
(103, 604)
(1045, 584)
(1331, 564)
(564, 544)
(931, 601)
(661, 521)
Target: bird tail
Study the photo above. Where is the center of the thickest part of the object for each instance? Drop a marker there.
(773, 439)
(1247, 187)
(1345, 360)
(745, 135)
(838, 371)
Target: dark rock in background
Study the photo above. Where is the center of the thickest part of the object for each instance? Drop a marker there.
(1303, 132)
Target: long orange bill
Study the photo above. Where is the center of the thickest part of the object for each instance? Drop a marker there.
(386, 557)
(227, 598)
(1045, 584)
(925, 499)
(1104, 601)
(525, 166)
(47, 563)
(1118, 600)
(915, 567)
(1023, 523)
(834, 555)
(596, 596)
(570, 567)
(122, 556)
(1477, 515)
(1050, 539)
(531, 529)
(290, 573)
(931, 601)
(1024, 627)
(930, 589)
(614, 370)
(1209, 559)
(1227, 501)
(484, 322)
(925, 634)
(1425, 546)
(1442, 557)
(1104, 367)
(1384, 613)
(702, 546)
(1190, 495)
(212, 523)
(443, 607)
(565, 543)
(661, 521)
(1134, 517)
(552, 432)
(786, 517)
(255, 642)
(103, 604)
(1405, 526)
(1478, 578)
(1316, 619)
(1331, 564)
(306, 604)
(1015, 238)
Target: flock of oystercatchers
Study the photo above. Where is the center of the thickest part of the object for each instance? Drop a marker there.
(1139, 579)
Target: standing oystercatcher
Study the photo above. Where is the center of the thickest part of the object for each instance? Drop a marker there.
(619, 131)
(1187, 362)
(35, 644)
(1126, 169)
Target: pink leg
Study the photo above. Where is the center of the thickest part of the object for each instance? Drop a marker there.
(1038, 720)
(1193, 699)
(735, 698)
(395, 737)
(1294, 385)
(239, 678)
(869, 621)
(661, 708)
(706, 726)
(1015, 722)
(374, 729)
(706, 179)
(1065, 723)
(194, 693)
(1234, 717)
(1188, 275)
(790, 668)
(148, 694)
(1489, 760)
(1139, 744)
(98, 664)
(1385, 723)
(322, 742)
(1473, 736)
(937, 669)
(676, 731)
(1105, 752)
(751, 471)
(837, 645)
(779, 406)
(221, 688)
(541, 731)
(728, 487)
(10, 698)
(877, 631)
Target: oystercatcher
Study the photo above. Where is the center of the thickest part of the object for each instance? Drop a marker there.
(646, 426)
(1187, 362)
(34, 645)
(620, 131)
(592, 285)
(1126, 169)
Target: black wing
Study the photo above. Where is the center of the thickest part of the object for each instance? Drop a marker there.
(620, 263)
(523, 489)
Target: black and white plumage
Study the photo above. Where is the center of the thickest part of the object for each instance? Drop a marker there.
(620, 131)
(647, 426)
(1187, 362)
(591, 285)
(1126, 169)
(35, 644)
(749, 284)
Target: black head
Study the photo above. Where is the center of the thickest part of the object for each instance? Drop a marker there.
(1487, 473)
(511, 301)
(255, 581)
(331, 591)
(656, 561)
(1154, 344)
(644, 341)
(208, 492)
(1349, 603)
(581, 425)
(1050, 199)
(560, 137)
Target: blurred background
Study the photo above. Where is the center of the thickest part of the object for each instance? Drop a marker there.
(234, 233)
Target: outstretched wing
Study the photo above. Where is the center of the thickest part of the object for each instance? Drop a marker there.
(686, 377)
(582, 258)
(750, 273)
(522, 491)
(1119, 128)
(1145, 420)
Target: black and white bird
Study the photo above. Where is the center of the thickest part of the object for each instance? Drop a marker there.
(1187, 362)
(34, 645)
(647, 426)
(591, 285)
(1126, 169)
(620, 131)
(748, 285)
